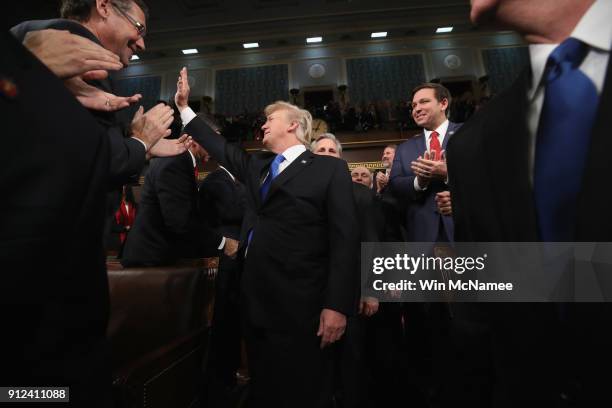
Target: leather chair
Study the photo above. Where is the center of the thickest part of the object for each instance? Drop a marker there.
(158, 331)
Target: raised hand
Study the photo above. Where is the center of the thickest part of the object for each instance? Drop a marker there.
(68, 55)
(181, 98)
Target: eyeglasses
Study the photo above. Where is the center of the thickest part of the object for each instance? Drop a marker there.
(142, 30)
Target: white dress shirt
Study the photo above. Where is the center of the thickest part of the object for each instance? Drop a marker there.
(595, 30)
(290, 155)
(228, 172)
(441, 134)
(187, 114)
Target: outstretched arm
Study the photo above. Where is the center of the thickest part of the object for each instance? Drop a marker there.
(233, 158)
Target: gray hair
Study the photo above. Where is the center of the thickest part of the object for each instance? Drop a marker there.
(331, 137)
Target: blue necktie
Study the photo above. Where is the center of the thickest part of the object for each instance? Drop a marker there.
(263, 189)
(563, 139)
(272, 173)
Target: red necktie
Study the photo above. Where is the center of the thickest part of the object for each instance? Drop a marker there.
(195, 172)
(434, 146)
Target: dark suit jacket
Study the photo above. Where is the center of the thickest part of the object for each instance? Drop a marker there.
(392, 210)
(127, 155)
(167, 226)
(222, 201)
(422, 217)
(302, 255)
(489, 176)
(54, 291)
(492, 198)
(368, 213)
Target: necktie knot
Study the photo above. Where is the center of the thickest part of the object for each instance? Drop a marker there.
(274, 167)
(568, 54)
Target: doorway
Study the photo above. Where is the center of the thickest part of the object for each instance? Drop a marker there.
(315, 101)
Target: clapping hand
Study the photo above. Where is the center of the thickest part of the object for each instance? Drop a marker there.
(151, 126)
(426, 168)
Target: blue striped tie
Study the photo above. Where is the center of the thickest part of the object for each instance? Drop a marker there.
(563, 139)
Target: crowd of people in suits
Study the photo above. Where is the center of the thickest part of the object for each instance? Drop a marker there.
(287, 221)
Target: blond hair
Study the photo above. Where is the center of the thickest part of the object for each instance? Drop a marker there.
(301, 116)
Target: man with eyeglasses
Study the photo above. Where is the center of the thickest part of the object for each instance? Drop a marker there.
(119, 26)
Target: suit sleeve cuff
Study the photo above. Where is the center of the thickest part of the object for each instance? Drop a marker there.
(187, 114)
(417, 187)
(143, 143)
(222, 244)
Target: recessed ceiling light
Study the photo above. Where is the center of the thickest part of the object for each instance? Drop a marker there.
(381, 34)
(190, 51)
(250, 45)
(311, 40)
(134, 58)
(444, 29)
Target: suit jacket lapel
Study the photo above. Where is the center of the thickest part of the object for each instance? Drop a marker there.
(300, 163)
(259, 176)
(421, 146)
(452, 127)
(506, 150)
(594, 199)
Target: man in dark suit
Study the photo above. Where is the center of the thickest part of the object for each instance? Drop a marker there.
(419, 167)
(299, 240)
(392, 208)
(168, 226)
(381, 177)
(54, 292)
(119, 26)
(222, 202)
(530, 166)
(354, 373)
(446, 333)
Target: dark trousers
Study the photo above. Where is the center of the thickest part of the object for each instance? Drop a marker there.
(353, 379)
(225, 336)
(461, 357)
(288, 369)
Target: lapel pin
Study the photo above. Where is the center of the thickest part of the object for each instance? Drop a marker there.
(303, 161)
(8, 88)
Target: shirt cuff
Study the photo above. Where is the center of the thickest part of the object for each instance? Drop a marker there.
(187, 114)
(222, 244)
(417, 187)
(143, 143)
